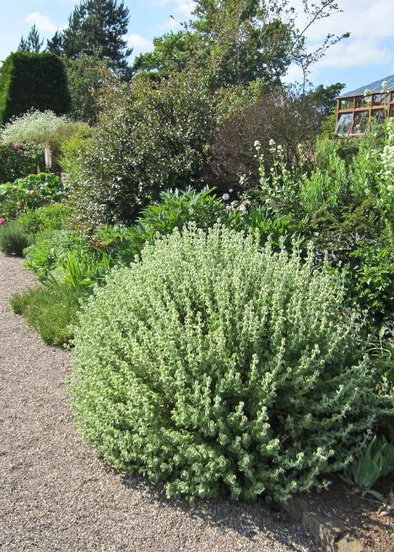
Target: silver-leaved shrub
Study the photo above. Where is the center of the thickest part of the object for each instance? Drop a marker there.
(215, 366)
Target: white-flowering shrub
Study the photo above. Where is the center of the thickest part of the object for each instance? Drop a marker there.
(215, 366)
(37, 127)
(33, 126)
(388, 159)
(386, 186)
(149, 139)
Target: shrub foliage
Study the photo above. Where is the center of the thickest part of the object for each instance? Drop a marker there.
(50, 311)
(215, 366)
(18, 160)
(30, 80)
(30, 192)
(13, 239)
(149, 139)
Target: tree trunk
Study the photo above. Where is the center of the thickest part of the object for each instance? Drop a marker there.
(48, 156)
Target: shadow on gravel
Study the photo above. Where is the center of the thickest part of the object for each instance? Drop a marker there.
(246, 518)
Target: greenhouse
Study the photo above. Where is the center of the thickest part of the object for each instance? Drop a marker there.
(356, 109)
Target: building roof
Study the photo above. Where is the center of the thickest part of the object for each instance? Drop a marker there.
(372, 87)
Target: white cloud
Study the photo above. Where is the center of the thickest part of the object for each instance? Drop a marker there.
(364, 18)
(139, 43)
(42, 22)
(180, 11)
(294, 74)
(183, 8)
(358, 53)
(169, 24)
(370, 23)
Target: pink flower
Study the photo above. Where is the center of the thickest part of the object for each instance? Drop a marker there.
(2, 221)
(19, 147)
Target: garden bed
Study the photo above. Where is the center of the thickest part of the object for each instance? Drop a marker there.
(343, 520)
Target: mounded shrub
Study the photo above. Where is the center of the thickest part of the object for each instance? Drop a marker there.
(214, 366)
(150, 138)
(271, 115)
(29, 80)
(13, 239)
(18, 160)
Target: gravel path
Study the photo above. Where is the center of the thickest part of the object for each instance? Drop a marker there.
(55, 495)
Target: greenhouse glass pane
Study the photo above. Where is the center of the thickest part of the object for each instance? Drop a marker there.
(346, 103)
(344, 123)
(363, 101)
(360, 124)
(381, 99)
(379, 115)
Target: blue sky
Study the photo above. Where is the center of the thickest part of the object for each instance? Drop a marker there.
(367, 56)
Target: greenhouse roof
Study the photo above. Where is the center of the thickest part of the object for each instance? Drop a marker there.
(372, 87)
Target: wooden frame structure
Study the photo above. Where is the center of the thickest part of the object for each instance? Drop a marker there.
(356, 109)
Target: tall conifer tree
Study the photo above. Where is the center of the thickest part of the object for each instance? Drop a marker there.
(98, 28)
(33, 42)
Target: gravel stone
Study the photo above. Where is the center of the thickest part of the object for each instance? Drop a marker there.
(56, 495)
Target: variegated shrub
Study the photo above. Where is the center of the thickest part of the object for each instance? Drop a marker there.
(215, 367)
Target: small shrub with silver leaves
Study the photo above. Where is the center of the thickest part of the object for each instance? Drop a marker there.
(217, 367)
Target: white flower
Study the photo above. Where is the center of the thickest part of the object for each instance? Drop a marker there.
(226, 197)
(272, 142)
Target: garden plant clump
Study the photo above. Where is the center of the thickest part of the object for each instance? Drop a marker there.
(18, 160)
(28, 193)
(216, 366)
(13, 239)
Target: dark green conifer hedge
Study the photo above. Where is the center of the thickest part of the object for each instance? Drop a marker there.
(29, 80)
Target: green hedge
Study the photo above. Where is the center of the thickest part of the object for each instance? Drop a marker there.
(29, 80)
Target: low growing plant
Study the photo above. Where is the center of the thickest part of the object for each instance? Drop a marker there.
(216, 366)
(13, 239)
(50, 251)
(375, 462)
(50, 311)
(56, 216)
(28, 193)
(67, 258)
(174, 210)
